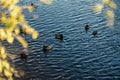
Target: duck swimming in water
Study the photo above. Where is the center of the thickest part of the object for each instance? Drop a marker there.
(23, 54)
(94, 33)
(59, 36)
(86, 27)
(47, 48)
(32, 4)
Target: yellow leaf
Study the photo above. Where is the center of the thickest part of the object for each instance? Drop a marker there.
(4, 18)
(10, 78)
(17, 31)
(10, 39)
(110, 14)
(111, 4)
(2, 50)
(21, 19)
(12, 69)
(30, 7)
(3, 35)
(106, 1)
(3, 56)
(1, 67)
(16, 12)
(2, 78)
(35, 34)
(46, 1)
(22, 41)
(6, 64)
(98, 8)
(4, 3)
(27, 29)
(7, 72)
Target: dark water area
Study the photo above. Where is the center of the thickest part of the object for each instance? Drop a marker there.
(81, 56)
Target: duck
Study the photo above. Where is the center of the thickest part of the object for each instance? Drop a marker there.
(23, 56)
(87, 27)
(94, 33)
(47, 48)
(32, 4)
(59, 36)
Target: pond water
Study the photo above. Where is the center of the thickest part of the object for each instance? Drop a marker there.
(81, 56)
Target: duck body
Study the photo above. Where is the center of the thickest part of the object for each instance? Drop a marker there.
(23, 56)
(47, 48)
(59, 36)
(95, 33)
(32, 4)
(87, 27)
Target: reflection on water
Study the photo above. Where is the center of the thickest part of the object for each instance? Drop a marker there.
(81, 56)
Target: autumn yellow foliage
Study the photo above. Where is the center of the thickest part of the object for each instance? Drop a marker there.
(11, 18)
(108, 13)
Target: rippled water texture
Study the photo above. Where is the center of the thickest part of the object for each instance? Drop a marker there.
(81, 56)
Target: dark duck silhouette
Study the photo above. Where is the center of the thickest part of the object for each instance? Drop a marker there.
(87, 27)
(95, 33)
(23, 54)
(32, 4)
(59, 36)
(47, 48)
